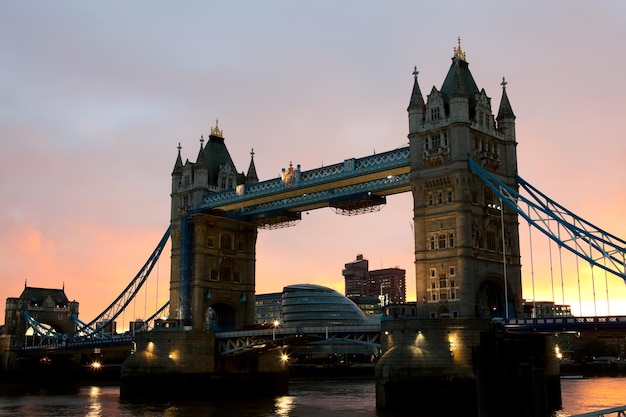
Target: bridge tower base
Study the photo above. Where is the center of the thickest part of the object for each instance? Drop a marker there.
(175, 363)
(460, 365)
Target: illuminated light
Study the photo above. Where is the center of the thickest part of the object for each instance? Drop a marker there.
(284, 357)
(558, 353)
(386, 332)
(96, 365)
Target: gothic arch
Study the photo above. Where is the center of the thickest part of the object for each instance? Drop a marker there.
(490, 298)
(443, 312)
(220, 316)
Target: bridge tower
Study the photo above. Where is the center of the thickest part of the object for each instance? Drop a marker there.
(212, 280)
(459, 237)
(467, 259)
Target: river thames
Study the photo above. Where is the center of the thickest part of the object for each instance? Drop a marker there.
(306, 399)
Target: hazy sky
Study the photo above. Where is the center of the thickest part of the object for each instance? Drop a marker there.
(94, 99)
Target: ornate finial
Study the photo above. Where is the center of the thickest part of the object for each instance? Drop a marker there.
(201, 140)
(252, 153)
(415, 72)
(215, 131)
(503, 83)
(179, 147)
(458, 52)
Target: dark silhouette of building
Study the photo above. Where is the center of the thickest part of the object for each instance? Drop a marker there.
(388, 285)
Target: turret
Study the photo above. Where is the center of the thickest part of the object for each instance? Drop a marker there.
(458, 99)
(417, 107)
(506, 117)
(251, 176)
(200, 176)
(177, 172)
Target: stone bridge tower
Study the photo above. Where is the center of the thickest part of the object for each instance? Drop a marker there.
(459, 237)
(212, 280)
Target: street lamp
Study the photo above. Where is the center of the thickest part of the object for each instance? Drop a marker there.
(276, 323)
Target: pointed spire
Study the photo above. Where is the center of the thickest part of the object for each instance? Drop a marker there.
(251, 176)
(201, 160)
(505, 111)
(179, 162)
(458, 52)
(216, 131)
(417, 101)
(458, 88)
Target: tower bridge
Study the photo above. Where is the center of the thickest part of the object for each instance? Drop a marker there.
(461, 168)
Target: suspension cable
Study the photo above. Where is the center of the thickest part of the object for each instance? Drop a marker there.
(561, 266)
(532, 267)
(580, 300)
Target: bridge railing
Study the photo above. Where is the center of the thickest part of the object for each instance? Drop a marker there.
(571, 323)
(350, 167)
(616, 411)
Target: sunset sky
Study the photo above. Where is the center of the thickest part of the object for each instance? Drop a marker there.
(94, 100)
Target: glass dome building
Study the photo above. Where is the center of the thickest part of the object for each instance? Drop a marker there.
(315, 305)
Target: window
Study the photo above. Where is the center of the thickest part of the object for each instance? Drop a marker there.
(223, 183)
(230, 183)
(240, 246)
(491, 240)
(442, 241)
(236, 277)
(210, 241)
(226, 241)
(451, 271)
(449, 196)
(429, 198)
(431, 242)
(436, 141)
(434, 113)
(225, 273)
(213, 275)
(439, 197)
(451, 240)
(433, 272)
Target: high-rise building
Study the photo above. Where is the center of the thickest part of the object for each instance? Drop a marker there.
(389, 284)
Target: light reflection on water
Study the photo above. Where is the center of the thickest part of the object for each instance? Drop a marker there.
(306, 399)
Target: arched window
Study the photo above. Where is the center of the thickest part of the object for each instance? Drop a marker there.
(226, 241)
(442, 241)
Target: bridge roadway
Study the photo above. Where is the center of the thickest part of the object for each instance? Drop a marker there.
(379, 174)
(247, 340)
(244, 340)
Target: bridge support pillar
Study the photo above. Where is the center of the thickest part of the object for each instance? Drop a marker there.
(174, 363)
(459, 365)
(520, 370)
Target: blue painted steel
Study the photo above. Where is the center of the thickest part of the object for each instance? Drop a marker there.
(350, 168)
(98, 324)
(184, 272)
(562, 324)
(580, 237)
(94, 329)
(322, 197)
(607, 412)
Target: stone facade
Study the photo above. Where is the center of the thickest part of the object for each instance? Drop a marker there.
(212, 279)
(459, 238)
